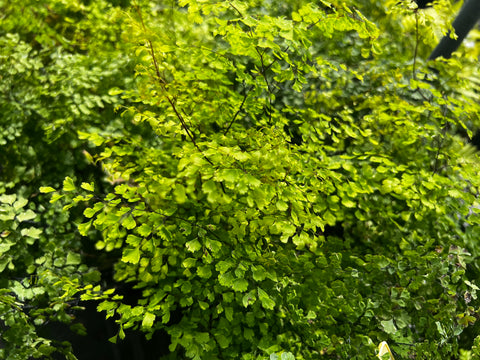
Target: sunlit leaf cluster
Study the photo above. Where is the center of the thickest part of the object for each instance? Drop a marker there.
(284, 180)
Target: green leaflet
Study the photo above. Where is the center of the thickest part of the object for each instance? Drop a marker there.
(129, 222)
(266, 301)
(148, 320)
(131, 256)
(68, 184)
(240, 285)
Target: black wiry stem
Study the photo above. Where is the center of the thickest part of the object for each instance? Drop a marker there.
(238, 111)
(163, 84)
(416, 45)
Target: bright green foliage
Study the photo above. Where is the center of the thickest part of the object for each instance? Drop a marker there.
(268, 142)
(307, 191)
(34, 264)
(58, 61)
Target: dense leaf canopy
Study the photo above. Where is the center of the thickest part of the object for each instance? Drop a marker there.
(269, 180)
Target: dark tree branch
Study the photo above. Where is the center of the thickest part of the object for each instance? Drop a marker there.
(417, 40)
(464, 22)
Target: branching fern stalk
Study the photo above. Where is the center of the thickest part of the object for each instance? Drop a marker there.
(163, 85)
